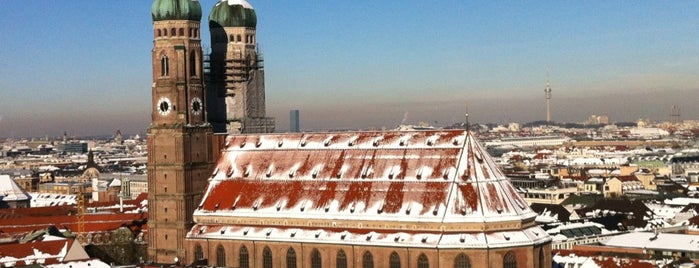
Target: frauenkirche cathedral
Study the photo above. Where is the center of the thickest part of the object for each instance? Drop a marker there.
(341, 199)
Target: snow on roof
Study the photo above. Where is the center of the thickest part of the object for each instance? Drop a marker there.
(652, 241)
(369, 237)
(33, 253)
(681, 201)
(405, 178)
(94, 263)
(11, 191)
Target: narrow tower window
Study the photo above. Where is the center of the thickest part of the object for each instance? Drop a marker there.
(240, 39)
(173, 32)
(181, 32)
(164, 66)
(193, 64)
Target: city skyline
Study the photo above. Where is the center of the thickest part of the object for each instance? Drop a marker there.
(84, 67)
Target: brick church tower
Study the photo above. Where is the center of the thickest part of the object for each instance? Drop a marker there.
(236, 82)
(179, 137)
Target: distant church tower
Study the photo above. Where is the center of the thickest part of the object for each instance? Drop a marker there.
(236, 82)
(179, 137)
(548, 101)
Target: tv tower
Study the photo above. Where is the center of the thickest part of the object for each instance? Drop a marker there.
(548, 99)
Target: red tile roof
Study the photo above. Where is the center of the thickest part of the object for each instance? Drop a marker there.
(409, 177)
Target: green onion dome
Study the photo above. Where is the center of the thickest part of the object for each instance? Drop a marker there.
(176, 10)
(232, 13)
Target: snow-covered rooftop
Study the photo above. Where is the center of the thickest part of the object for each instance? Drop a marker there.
(427, 182)
(11, 191)
(653, 241)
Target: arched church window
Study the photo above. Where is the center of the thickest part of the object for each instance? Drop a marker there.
(164, 66)
(367, 260)
(198, 252)
(173, 32)
(181, 32)
(316, 261)
(239, 38)
(158, 33)
(243, 258)
(266, 258)
(509, 261)
(341, 259)
(291, 258)
(394, 260)
(462, 261)
(422, 261)
(231, 38)
(220, 256)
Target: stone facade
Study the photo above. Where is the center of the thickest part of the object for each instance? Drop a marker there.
(536, 257)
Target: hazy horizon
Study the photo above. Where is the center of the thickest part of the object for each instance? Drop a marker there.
(84, 67)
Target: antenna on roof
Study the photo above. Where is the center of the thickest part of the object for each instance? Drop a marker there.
(468, 127)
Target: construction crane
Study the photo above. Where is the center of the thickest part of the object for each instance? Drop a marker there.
(81, 216)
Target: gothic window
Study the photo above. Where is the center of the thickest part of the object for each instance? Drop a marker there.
(291, 258)
(422, 261)
(158, 33)
(341, 260)
(266, 258)
(394, 260)
(173, 32)
(462, 261)
(316, 261)
(367, 260)
(239, 38)
(244, 258)
(193, 64)
(181, 32)
(164, 66)
(164, 32)
(509, 261)
(220, 256)
(231, 38)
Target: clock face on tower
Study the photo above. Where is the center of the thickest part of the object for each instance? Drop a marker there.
(196, 105)
(164, 106)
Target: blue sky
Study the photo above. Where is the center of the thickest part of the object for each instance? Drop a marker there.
(84, 66)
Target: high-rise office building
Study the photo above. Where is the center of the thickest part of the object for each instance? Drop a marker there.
(294, 125)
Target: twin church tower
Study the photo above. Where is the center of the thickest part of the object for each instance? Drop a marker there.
(192, 99)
